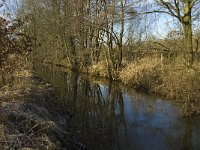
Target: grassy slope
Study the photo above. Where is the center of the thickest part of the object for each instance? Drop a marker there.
(29, 113)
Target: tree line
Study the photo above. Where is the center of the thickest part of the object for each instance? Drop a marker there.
(86, 32)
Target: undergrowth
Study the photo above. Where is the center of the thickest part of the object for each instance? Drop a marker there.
(29, 112)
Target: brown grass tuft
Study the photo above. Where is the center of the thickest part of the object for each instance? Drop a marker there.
(174, 80)
(99, 69)
(142, 73)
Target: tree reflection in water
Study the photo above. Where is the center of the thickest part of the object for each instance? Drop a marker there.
(105, 116)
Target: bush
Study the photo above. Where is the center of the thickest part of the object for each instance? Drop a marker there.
(144, 73)
(99, 69)
(174, 80)
(180, 82)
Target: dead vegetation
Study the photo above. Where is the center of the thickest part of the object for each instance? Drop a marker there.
(173, 80)
(30, 116)
(99, 69)
(141, 73)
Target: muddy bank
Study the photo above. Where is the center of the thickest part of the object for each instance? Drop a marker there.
(31, 117)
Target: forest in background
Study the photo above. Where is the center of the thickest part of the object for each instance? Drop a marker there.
(113, 39)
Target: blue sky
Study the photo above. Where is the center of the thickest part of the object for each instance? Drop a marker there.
(160, 28)
(163, 25)
(10, 6)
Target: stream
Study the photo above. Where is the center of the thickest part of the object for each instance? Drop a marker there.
(111, 116)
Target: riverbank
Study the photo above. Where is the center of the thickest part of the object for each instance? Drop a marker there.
(109, 115)
(30, 115)
(170, 79)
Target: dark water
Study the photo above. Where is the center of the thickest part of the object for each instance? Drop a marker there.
(108, 116)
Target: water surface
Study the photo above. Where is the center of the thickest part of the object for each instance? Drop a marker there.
(109, 116)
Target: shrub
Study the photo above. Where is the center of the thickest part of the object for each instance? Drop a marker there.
(99, 69)
(180, 82)
(143, 73)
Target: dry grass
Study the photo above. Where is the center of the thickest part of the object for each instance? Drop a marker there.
(171, 79)
(179, 81)
(27, 120)
(182, 84)
(174, 80)
(142, 73)
(22, 126)
(99, 69)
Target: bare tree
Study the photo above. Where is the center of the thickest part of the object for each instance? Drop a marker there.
(186, 11)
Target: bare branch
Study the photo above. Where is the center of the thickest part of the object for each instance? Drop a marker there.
(160, 11)
(193, 3)
(169, 7)
(177, 8)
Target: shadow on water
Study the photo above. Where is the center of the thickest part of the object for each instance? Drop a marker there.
(110, 116)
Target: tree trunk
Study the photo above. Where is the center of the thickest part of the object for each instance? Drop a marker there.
(121, 32)
(72, 47)
(188, 43)
(187, 28)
